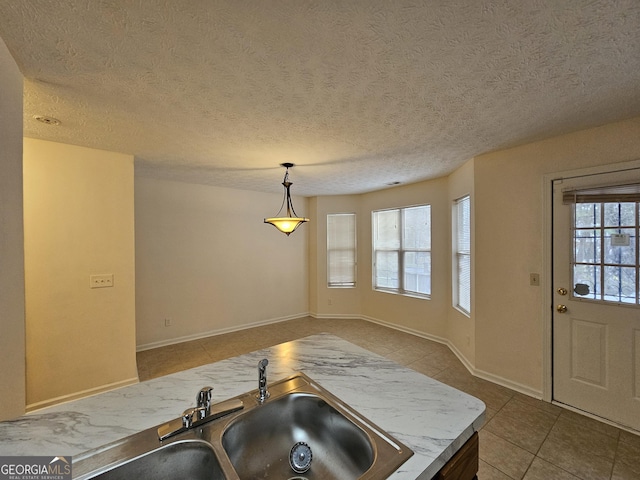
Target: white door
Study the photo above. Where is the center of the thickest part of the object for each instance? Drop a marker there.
(596, 319)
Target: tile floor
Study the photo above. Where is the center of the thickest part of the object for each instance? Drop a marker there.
(523, 438)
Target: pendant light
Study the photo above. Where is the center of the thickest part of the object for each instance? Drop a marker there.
(289, 223)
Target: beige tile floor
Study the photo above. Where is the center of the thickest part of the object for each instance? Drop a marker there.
(523, 438)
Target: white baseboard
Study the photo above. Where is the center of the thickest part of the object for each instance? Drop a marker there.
(417, 333)
(32, 407)
(518, 387)
(332, 316)
(524, 389)
(220, 331)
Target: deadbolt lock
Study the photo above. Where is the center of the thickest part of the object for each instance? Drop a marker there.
(562, 291)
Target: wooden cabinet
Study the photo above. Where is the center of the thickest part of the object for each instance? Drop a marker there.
(464, 464)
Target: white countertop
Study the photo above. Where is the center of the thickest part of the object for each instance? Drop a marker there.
(431, 418)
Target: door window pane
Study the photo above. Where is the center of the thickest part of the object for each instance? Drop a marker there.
(587, 246)
(587, 215)
(620, 246)
(620, 284)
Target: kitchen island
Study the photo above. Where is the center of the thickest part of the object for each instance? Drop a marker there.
(431, 418)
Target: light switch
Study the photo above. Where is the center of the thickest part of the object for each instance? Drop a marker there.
(534, 279)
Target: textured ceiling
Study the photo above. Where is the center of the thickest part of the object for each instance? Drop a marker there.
(356, 93)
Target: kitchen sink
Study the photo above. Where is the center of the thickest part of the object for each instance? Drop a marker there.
(259, 442)
(192, 459)
(299, 431)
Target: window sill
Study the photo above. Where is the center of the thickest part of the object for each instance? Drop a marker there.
(403, 294)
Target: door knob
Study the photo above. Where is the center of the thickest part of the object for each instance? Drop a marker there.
(561, 308)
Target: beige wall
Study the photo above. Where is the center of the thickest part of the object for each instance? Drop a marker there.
(78, 214)
(509, 242)
(503, 339)
(461, 330)
(206, 261)
(324, 301)
(12, 336)
(424, 316)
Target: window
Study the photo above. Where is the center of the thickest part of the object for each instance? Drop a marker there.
(462, 254)
(402, 250)
(606, 260)
(605, 253)
(341, 250)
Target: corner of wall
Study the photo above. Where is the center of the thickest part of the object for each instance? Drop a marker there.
(12, 340)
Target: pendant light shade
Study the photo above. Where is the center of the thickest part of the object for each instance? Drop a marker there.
(289, 223)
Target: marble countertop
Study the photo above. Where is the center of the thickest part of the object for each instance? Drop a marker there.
(431, 418)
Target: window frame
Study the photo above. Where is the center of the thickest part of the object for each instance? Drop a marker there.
(402, 250)
(353, 248)
(601, 231)
(458, 254)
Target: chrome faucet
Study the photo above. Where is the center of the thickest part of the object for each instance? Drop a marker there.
(263, 393)
(202, 413)
(203, 401)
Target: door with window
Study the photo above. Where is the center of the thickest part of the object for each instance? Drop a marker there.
(596, 319)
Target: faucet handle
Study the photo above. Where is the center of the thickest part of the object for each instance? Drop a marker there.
(187, 417)
(203, 399)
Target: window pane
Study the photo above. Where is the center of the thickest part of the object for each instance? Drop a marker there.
(341, 249)
(417, 228)
(620, 254)
(587, 246)
(417, 272)
(461, 275)
(387, 269)
(343, 267)
(464, 288)
(464, 225)
(386, 224)
(620, 284)
(619, 214)
(587, 215)
(588, 275)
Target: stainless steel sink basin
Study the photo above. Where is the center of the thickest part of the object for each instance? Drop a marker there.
(256, 442)
(259, 442)
(192, 459)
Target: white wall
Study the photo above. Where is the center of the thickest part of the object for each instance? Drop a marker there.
(206, 261)
(12, 337)
(78, 216)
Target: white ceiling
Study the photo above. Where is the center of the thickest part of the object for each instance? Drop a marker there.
(356, 93)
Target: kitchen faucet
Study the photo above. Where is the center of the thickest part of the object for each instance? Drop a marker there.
(203, 401)
(263, 393)
(202, 413)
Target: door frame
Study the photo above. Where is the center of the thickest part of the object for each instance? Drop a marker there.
(546, 282)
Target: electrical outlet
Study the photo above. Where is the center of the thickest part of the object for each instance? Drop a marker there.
(101, 281)
(534, 279)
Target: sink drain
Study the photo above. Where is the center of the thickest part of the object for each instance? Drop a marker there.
(300, 457)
